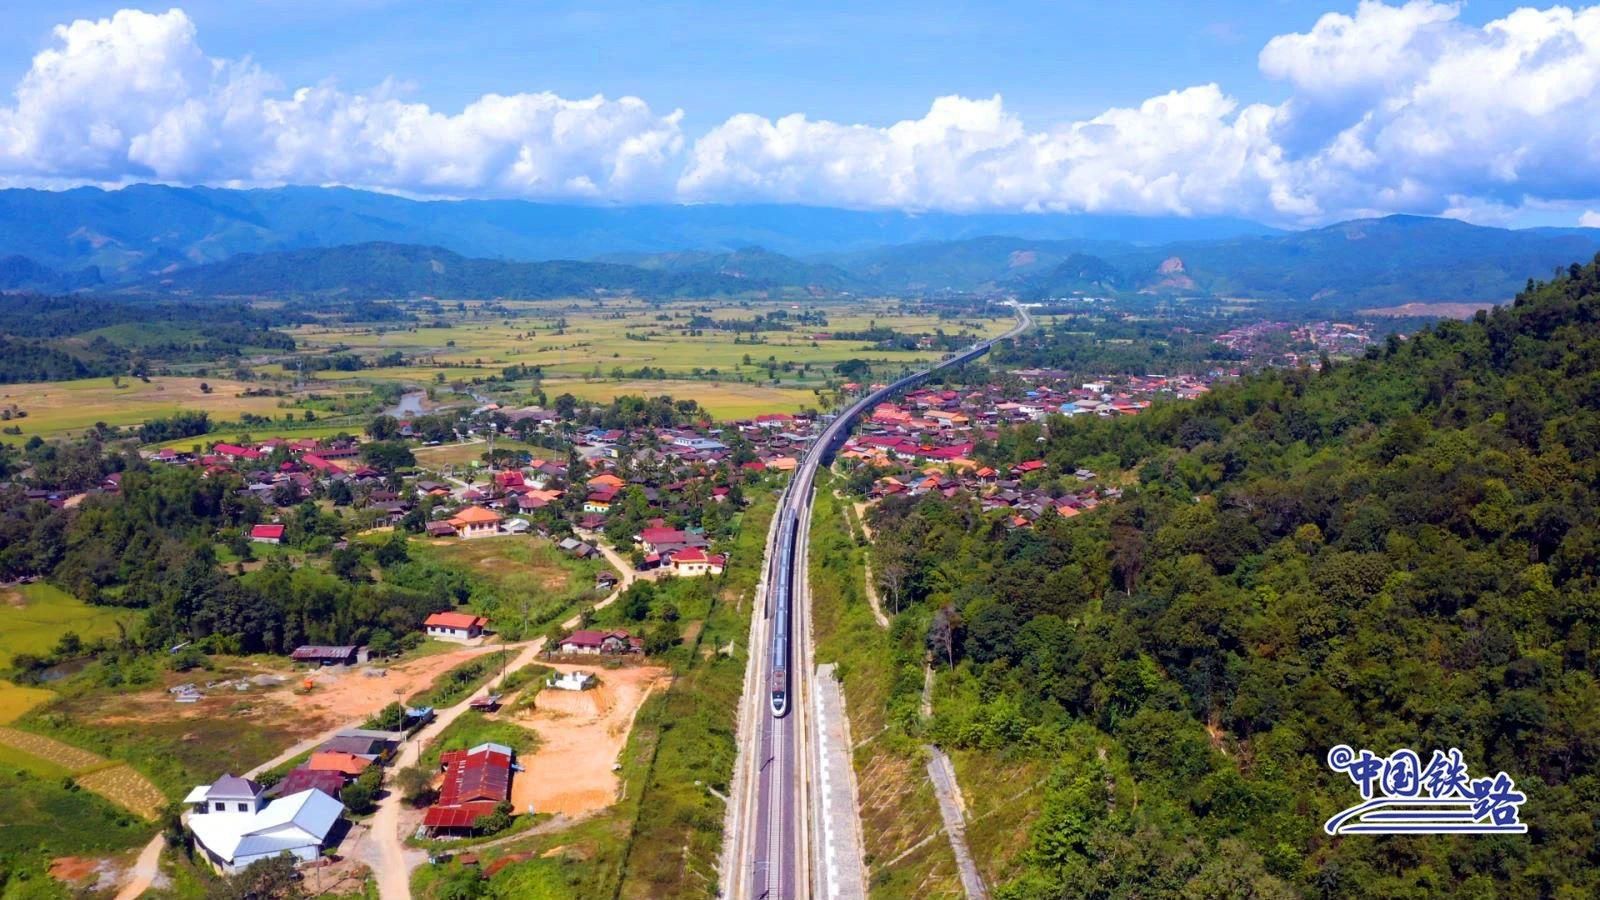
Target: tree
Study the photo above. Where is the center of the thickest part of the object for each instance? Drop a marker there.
(944, 633)
(381, 644)
(497, 821)
(415, 784)
(360, 796)
(388, 457)
(383, 428)
(347, 564)
(636, 603)
(267, 879)
(392, 552)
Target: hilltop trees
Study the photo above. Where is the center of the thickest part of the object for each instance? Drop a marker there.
(1396, 551)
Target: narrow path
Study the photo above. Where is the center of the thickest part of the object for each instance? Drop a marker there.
(952, 806)
(872, 594)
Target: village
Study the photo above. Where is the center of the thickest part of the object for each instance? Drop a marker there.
(636, 505)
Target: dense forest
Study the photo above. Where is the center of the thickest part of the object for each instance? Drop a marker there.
(1394, 551)
(49, 338)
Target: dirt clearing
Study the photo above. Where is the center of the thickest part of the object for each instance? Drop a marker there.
(581, 735)
(345, 694)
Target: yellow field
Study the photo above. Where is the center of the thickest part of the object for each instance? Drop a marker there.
(722, 399)
(61, 408)
(125, 787)
(16, 699)
(71, 758)
(119, 783)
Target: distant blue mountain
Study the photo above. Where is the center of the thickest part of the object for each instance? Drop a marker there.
(145, 230)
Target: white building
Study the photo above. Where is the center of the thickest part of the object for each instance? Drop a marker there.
(232, 829)
(571, 681)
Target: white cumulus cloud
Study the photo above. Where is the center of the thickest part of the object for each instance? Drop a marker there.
(1391, 108)
(133, 96)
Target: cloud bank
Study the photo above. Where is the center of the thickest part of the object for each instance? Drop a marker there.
(1390, 109)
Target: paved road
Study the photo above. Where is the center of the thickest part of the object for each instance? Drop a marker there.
(772, 776)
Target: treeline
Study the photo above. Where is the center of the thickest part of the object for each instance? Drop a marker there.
(45, 338)
(153, 547)
(1397, 551)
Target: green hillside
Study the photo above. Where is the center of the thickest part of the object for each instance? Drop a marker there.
(1399, 551)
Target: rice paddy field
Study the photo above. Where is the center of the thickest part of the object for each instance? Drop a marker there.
(591, 349)
(34, 616)
(633, 335)
(61, 408)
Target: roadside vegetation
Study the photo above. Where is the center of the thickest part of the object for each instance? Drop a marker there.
(880, 671)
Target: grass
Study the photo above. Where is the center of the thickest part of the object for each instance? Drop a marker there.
(279, 429)
(456, 684)
(677, 836)
(43, 816)
(880, 673)
(175, 752)
(472, 453)
(34, 616)
(62, 408)
(473, 728)
(13, 759)
(510, 571)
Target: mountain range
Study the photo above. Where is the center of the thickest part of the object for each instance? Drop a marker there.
(342, 242)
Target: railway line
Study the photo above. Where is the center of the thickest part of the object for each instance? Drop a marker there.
(770, 837)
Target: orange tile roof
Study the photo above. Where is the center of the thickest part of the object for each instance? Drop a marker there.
(334, 761)
(475, 515)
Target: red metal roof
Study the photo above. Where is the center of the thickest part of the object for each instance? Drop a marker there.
(455, 620)
(267, 531)
(463, 816)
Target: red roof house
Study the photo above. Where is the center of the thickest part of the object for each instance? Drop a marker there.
(267, 534)
(454, 626)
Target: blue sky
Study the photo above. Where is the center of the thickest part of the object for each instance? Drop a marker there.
(1069, 106)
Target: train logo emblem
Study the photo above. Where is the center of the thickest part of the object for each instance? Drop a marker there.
(1402, 796)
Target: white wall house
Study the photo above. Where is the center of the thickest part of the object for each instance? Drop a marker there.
(241, 832)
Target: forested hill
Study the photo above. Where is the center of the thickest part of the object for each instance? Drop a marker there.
(1397, 551)
(402, 270)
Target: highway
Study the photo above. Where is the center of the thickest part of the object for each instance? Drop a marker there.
(769, 848)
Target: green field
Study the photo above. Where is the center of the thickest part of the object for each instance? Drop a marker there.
(34, 616)
(43, 816)
(509, 570)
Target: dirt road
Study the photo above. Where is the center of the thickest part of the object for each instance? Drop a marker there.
(386, 853)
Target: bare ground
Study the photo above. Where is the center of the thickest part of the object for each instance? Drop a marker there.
(581, 736)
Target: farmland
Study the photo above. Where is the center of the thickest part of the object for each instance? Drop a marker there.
(574, 340)
(61, 408)
(779, 359)
(723, 400)
(34, 616)
(15, 699)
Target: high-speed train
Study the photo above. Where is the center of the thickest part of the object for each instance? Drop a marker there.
(782, 574)
(782, 583)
